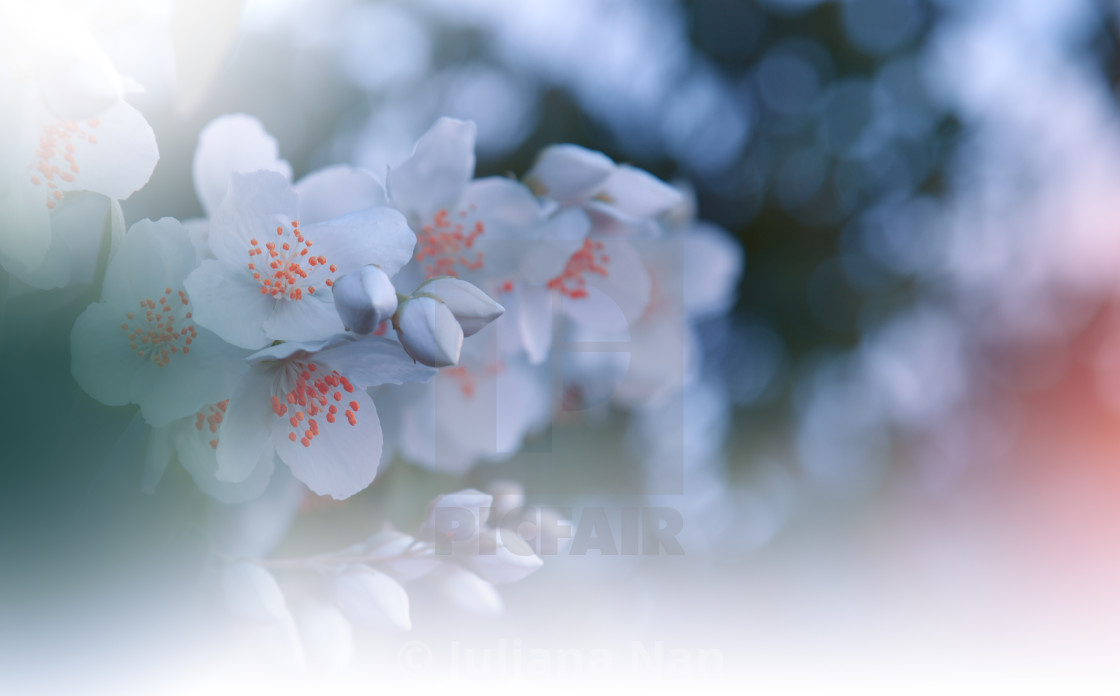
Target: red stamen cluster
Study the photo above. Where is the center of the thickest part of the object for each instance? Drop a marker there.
(312, 395)
(55, 156)
(286, 276)
(211, 419)
(588, 259)
(156, 334)
(464, 377)
(467, 379)
(447, 242)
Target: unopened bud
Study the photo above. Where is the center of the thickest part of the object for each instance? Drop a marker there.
(429, 332)
(473, 309)
(364, 299)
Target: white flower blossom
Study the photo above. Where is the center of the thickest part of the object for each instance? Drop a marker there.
(308, 403)
(141, 343)
(66, 130)
(271, 277)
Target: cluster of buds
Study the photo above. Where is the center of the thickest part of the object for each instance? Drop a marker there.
(431, 323)
(459, 551)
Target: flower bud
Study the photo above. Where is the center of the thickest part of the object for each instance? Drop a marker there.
(429, 332)
(372, 598)
(459, 515)
(468, 591)
(327, 635)
(500, 556)
(364, 299)
(508, 497)
(473, 309)
(251, 593)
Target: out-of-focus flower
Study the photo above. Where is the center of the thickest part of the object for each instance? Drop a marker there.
(253, 598)
(328, 638)
(193, 441)
(603, 285)
(228, 145)
(501, 557)
(271, 278)
(467, 591)
(617, 198)
(459, 515)
(251, 592)
(455, 551)
(66, 129)
(140, 343)
(372, 598)
(693, 270)
(479, 410)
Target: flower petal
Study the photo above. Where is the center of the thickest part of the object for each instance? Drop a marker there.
(343, 458)
(373, 360)
(152, 257)
(311, 318)
(327, 636)
(26, 235)
(80, 82)
(102, 361)
(567, 173)
(467, 591)
(507, 208)
(638, 193)
(117, 156)
(535, 315)
(231, 305)
(495, 412)
(82, 226)
(280, 351)
(254, 206)
(230, 144)
(77, 234)
(556, 241)
(713, 263)
(186, 383)
(500, 556)
(627, 286)
(375, 236)
(200, 459)
(373, 599)
(251, 592)
(460, 515)
(439, 170)
(335, 191)
(245, 438)
(157, 455)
